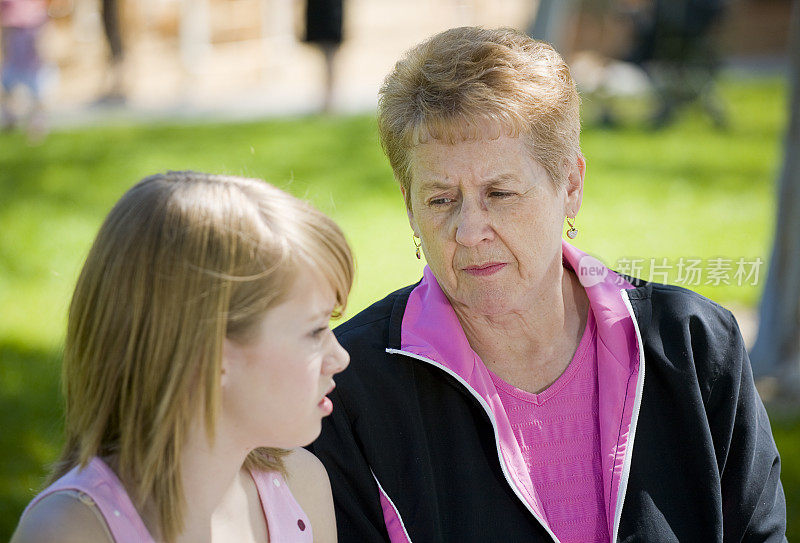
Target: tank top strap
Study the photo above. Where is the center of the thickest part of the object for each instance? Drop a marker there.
(101, 484)
(286, 520)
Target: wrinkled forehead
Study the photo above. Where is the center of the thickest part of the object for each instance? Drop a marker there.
(454, 132)
(457, 129)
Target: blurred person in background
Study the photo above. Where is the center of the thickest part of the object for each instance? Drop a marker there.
(198, 356)
(674, 42)
(522, 391)
(21, 22)
(115, 93)
(323, 28)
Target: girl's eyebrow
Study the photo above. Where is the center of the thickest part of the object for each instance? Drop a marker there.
(321, 314)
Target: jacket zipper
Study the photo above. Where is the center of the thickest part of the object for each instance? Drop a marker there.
(490, 414)
(637, 404)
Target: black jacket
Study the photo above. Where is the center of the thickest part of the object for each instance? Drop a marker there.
(704, 467)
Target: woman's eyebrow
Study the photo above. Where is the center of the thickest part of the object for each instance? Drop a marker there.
(501, 178)
(428, 186)
(435, 184)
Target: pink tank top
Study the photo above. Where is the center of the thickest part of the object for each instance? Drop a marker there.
(559, 436)
(285, 519)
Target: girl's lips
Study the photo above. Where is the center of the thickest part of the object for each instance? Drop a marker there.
(482, 270)
(326, 405)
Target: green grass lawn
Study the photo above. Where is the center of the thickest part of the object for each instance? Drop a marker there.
(686, 192)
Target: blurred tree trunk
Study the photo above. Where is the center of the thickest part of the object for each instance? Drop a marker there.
(776, 352)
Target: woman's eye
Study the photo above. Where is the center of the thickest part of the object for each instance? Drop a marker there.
(500, 194)
(440, 201)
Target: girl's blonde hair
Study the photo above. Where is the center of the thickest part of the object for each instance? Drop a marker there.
(454, 84)
(183, 261)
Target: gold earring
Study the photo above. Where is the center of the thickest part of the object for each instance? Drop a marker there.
(572, 233)
(414, 239)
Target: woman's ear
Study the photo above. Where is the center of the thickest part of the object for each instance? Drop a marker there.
(409, 212)
(576, 172)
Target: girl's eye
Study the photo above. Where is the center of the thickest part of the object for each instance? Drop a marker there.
(317, 332)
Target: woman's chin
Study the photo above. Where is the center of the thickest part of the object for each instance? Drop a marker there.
(489, 305)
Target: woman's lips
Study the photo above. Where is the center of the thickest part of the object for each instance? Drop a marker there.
(482, 270)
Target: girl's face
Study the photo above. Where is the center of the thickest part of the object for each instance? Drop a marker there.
(274, 386)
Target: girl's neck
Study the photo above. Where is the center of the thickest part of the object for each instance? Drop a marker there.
(219, 495)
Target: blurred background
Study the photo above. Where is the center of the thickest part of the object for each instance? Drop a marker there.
(688, 134)
(245, 57)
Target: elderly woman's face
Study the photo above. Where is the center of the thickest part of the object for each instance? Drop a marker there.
(490, 220)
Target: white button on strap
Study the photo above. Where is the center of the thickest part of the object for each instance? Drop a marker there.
(116, 513)
(276, 482)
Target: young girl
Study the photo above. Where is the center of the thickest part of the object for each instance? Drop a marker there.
(198, 336)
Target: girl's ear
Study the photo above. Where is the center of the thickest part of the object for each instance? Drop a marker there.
(230, 355)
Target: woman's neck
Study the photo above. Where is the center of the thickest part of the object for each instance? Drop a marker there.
(530, 348)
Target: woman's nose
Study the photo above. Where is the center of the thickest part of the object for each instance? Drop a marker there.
(472, 224)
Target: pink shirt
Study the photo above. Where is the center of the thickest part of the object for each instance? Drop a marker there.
(97, 483)
(559, 437)
(22, 13)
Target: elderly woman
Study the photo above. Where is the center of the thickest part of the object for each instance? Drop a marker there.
(521, 391)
